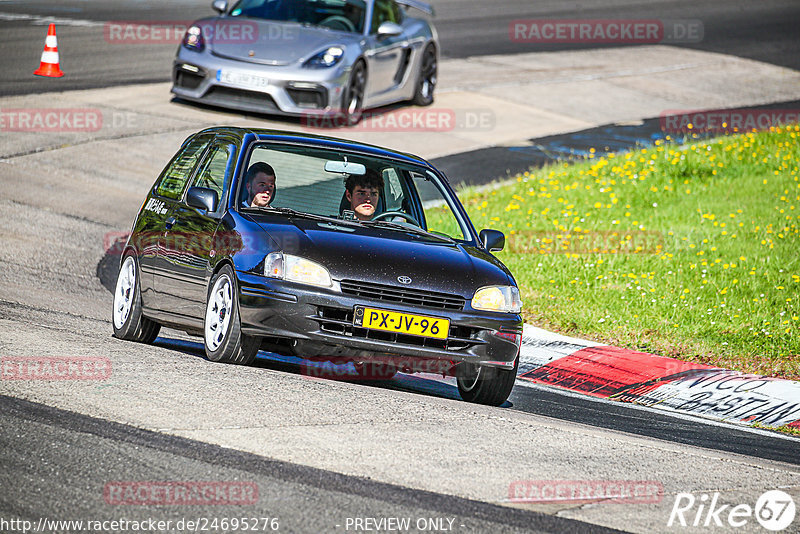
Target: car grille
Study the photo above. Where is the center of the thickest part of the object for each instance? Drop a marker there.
(187, 80)
(309, 98)
(339, 321)
(241, 96)
(413, 297)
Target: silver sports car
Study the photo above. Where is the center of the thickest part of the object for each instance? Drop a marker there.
(331, 58)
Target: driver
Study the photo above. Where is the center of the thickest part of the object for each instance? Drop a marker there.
(363, 192)
(260, 183)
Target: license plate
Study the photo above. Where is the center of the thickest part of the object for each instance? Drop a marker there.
(402, 323)
(242, 78)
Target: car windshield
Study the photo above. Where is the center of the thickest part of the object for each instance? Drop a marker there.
(342, 15)
(376, 193)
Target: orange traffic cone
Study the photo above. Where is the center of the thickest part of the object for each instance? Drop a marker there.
(49, 64)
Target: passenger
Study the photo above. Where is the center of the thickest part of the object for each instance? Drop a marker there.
(260, 184)
(363, 192)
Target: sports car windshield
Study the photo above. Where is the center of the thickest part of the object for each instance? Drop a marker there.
(310, 182)
(342, 15)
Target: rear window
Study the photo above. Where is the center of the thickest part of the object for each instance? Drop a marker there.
(174, 178)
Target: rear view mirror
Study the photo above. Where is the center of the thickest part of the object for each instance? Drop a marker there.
(345, 167)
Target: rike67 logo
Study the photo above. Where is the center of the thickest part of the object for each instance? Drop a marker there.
(774, 510)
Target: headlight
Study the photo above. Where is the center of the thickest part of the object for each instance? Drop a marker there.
(326, 58)
(193, 40)
(296, 269)
(498, 299)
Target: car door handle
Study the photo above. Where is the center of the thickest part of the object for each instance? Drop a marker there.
(169, 223)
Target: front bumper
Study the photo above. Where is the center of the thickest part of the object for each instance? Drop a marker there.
(319, 323)
(290, 90)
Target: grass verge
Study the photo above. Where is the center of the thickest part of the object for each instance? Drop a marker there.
(688, 251)
(785, 429)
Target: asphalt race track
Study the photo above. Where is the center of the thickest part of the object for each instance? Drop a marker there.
(323, 499)
(766, 31)
(323, 455)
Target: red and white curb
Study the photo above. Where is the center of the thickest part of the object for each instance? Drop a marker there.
(629, 376)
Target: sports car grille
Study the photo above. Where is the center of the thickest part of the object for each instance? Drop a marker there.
(187, 80)
(240, 96)
(309, 98)
(340, 322)
(414, 297)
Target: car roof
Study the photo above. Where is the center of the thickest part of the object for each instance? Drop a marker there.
(262, 134)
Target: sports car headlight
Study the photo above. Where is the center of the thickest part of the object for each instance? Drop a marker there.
(326, 58)
(296, 269)
(193, 40)
(498, 299)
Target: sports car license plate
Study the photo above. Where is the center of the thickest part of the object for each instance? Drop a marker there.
(241, 78)
(402, 323)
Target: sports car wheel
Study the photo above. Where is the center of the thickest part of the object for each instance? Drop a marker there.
(423, 95)
(223, 336)
(353, 98)
(486, 385)
(126, 316)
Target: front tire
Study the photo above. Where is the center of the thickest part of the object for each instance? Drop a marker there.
(426, 82)
(354, 95)
(126, 315)
(222, 334)
(486, 385)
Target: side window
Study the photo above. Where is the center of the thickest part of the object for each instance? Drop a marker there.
(393, 191)
(385, 11)
(439, 217)
(174, 178)
(215, 169)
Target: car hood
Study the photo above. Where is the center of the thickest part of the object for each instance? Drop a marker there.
(378, 255)
(268, 42)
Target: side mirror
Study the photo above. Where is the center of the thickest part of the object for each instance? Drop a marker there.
(493, 240)
(389, 29)
(220, 6)
(202, 198)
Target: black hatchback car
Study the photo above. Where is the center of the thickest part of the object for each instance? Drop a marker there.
(323, 249)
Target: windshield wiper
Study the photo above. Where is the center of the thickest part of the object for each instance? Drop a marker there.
(303, 214)
(407, 228)
(290, 211)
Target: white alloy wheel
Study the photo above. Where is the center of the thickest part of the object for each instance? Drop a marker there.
(125, 292)
(218, 312)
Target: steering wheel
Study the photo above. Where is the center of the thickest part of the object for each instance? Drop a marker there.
(338, 22)
(406, 216)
